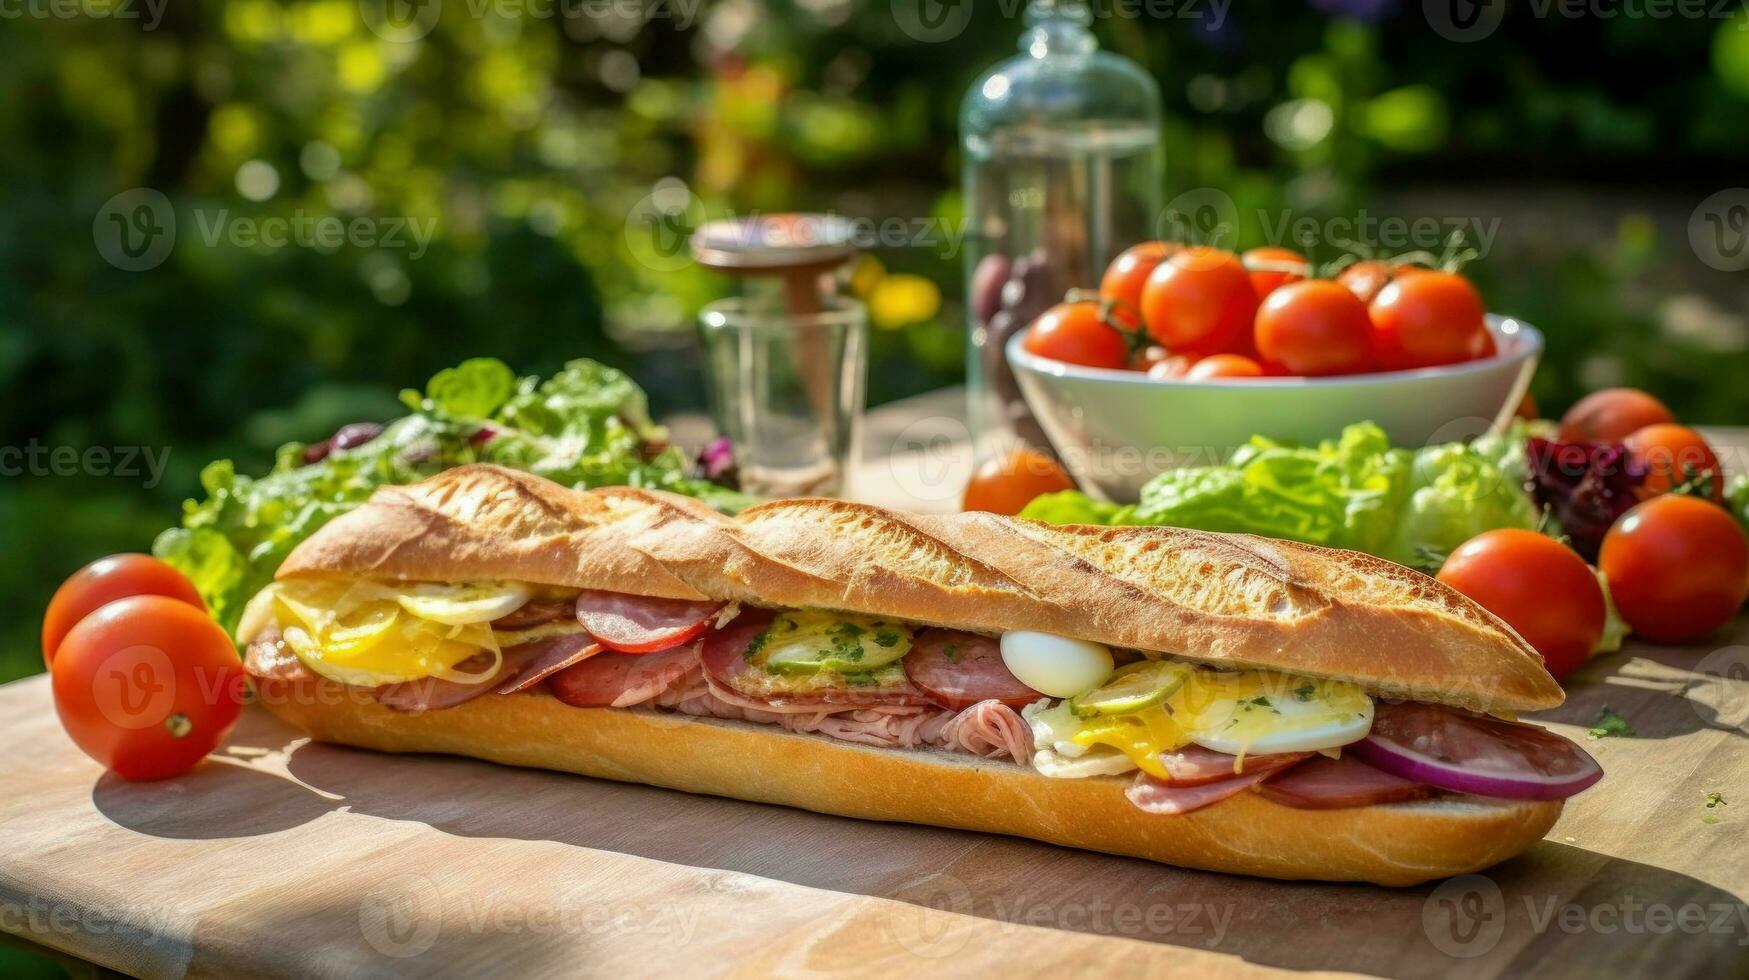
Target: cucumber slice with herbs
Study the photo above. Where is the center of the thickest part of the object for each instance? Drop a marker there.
(1132, 688)
(809, 642)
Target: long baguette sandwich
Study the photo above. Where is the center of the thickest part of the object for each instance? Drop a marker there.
(1212, 701)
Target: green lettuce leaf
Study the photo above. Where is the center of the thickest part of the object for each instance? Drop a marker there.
(1075, 507)
(586, 426)
(1457, 491)
(1355, 492)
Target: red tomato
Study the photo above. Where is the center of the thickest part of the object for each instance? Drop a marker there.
(1224, 366)
(1172, 368)
(1316, 327)
(106, 580)
(1612, 415)
(1539, 586)
(1678, 567)
(1075, 333)
(1527, 409)
(147, 685)
(1365, 279)
(1129, 272)
(1265, 281)
(1427, 319)
(1674, 455)
(1007, 483)
(1200, 301)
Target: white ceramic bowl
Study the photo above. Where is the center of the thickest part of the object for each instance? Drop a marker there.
(1116, 429)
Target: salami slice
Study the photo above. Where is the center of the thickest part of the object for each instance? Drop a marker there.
(269, 658)
(522, 667)
(535, 662)
(640, 624)
(435, 693)
(1171, 799)
(1338, 784)
(725, 664)
(1194, 765)
(957, 670)
(617, 679)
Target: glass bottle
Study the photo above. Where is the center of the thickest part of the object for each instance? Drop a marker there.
(1063, 170)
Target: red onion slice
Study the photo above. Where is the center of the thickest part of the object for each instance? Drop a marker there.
(1467, 753)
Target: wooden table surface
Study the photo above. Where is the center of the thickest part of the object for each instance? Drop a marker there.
(281, 857)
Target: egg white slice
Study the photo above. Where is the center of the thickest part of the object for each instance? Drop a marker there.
(1055, 665)
(1287, 724)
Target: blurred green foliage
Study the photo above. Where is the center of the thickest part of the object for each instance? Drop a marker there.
(525, 142)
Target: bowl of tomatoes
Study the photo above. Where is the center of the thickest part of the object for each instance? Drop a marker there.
(1185, 353)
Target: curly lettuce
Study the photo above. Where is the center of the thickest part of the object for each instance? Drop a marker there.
(586, 426)
(1355, 492)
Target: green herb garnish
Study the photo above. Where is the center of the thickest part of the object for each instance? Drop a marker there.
(1609, 724)
(951, 652)
(1304, 692)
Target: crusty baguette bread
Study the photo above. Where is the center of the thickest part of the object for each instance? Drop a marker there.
(1398, 844)
(1227, 599)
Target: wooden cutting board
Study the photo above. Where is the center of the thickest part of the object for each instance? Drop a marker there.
(283, 858)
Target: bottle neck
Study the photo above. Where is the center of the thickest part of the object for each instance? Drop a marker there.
(1057, 27)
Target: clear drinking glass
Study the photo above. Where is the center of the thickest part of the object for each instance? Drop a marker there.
(786, 387)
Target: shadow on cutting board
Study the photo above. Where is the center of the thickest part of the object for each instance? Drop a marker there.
(1551, 910)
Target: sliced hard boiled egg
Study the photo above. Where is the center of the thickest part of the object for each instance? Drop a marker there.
(1055, 665)
(462, 604)
(1255, 712)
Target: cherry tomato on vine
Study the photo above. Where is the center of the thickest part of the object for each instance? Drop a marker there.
(1365, 279)
(1678, 567)
(147, 686)
(1541, 587)
(1082, 333)
(1612, 415)
(1265, 281)
(1128, 273)
(1007, 483)
(104, 581)
(1200, 301)
(1217, 366)
(1674, 455)
(1172, 368)
(1426, 319)
(1315, 327)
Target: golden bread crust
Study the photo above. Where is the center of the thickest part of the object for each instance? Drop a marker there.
(1398, 844)
(1226, 599)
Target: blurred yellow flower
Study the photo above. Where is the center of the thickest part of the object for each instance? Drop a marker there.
(903, 299)
(866, 276)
